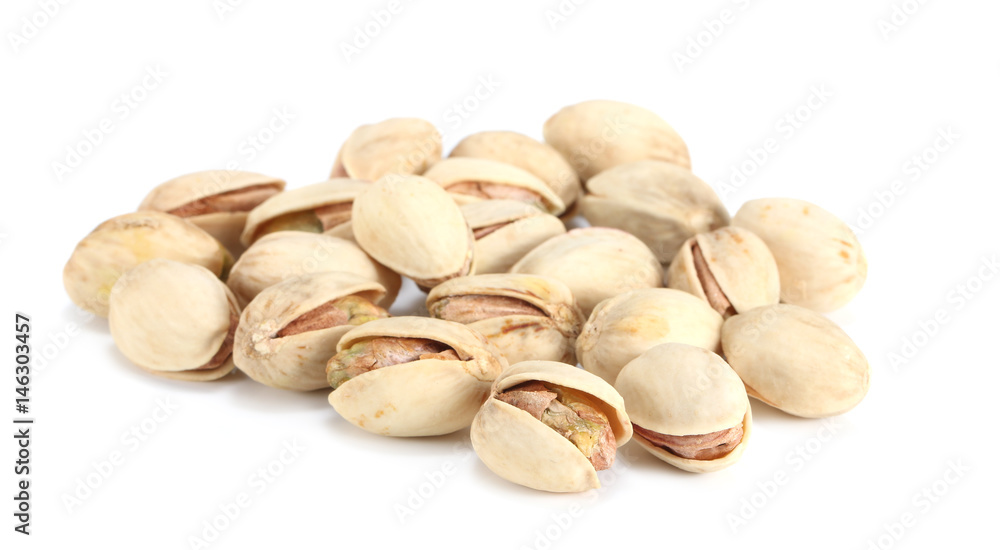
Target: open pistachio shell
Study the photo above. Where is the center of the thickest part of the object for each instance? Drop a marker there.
(279, 256)
(291, 329)
(599, 134)
(413, 226)
(796, 360)
(526, 153)
(426, 396)
(623, 327)
(677, 390)
(820, 260)
(730, 268)
(661, 203)
(506, 230)
(520, 448)
(126, 241)
(596, 263)
(475, 179)
(317, 208)
(174, 320)
(399, 146)
(526, 316)
(214, 200)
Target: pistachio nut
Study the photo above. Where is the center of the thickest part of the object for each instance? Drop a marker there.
(175, 320)
(412, 376)
(291, 329)
(820, 260)
(687, 407)
(279, 256)
(318, 208)
(506, 230)
(597, 135)
(550, 426)
(475, 179)
(526, 316)
(622, 328)
(413, 226)
(125, 241)
(596, 263)
(400, 146)
(541, 159)
(661, 203)
(796, 360)
(730, 268)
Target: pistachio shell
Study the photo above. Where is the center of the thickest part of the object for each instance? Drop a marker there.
(596, 263)
(680, 390)
(423, 397)
(327, 193)
(457, 170)
(661, 203)
(820, 260)
(278, 256)
(399, 146)
(599, 134)
(172, 319)
(796, 360)
(739, 264)
(295, 361)
(519, 448)
(124, 242)
(520, 227)
(623, 327)
(413, 226)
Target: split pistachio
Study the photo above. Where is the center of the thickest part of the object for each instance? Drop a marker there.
(623, 327)
(730, 268)
(319, 208)
(596, 263)
(289, 331)
(126, 241)
(661, 203)
(412, 376)
(796, 360)
(550, 426)
(396, 146)
(526, 316)
(820, 260)
(506, 230)
(688, 408)
(174, 320)
(475, 179)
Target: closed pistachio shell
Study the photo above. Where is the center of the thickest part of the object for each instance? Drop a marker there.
(622, 328)
(474, 179)
(796, 360)
(506, 230)
(661, 203)
(520, 448)
(730, 268)
(820, 260)
(126, 241)
(316, 208)
(599, 134)
(680, 391)
(399, 146)
(174, 320)
(596, 263)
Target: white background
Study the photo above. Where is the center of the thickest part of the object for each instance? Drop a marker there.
(845, 482)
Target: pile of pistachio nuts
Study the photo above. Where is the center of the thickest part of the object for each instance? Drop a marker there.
(676, 311)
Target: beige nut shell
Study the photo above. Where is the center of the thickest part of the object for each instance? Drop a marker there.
(424, 397)
(455, 170)
(298, 361)
(324, 193)
(596, 263)
(740, 262)
(400, 146)
(677, 389)
(600, 134)
(521, 449)
(796, 360)
(820, 260)
(622, 328)
(170, 318)
(526, 227)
